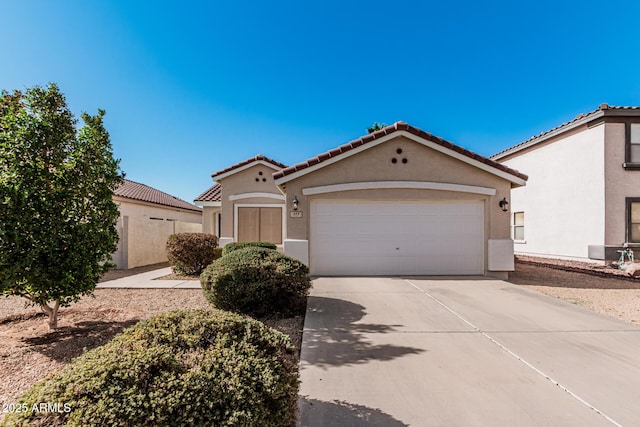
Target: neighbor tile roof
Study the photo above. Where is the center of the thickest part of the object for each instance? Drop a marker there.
(211, 195)
(602, 110)
(398, 126)
(136, 191)
(246, 162)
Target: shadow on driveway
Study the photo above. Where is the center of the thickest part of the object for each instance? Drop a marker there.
(344, 414)
(333, 336)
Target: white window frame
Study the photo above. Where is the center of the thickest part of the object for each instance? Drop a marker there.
(633, 143)
(630, 202)
(514, 226)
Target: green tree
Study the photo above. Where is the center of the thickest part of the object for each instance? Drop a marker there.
(376, 126)
(57, 215)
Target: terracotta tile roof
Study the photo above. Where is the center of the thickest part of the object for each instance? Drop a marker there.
(398, 126)
(136, 191)
(248, 161)
(603, 109)
(211, 195)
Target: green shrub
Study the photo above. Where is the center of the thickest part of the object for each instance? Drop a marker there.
(188, 367)
(230, 247)
(191, 253)
(257, 281)
(217, 253)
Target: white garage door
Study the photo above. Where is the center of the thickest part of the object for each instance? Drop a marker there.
(396, 238)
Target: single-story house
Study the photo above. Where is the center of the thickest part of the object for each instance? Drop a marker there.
(582, 200)
(147, 218)
(399, 201)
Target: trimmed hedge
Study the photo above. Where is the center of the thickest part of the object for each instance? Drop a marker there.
(191, 253)
(234, 246)
(188, 367)
(258, 282)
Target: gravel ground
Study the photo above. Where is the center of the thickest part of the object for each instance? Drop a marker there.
(603, 290)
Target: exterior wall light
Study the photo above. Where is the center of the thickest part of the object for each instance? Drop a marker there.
(295, 203)
(503, 204)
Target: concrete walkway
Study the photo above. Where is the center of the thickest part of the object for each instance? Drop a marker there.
(462, 352)
(149, 280)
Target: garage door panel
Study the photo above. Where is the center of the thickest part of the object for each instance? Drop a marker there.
(383, 238)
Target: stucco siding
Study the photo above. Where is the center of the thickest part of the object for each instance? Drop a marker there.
(209, 215)
(423, 164)
(564, 199)
(620, 184)
(256, 179)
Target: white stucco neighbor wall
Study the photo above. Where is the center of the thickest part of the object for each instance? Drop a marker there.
(564, 199)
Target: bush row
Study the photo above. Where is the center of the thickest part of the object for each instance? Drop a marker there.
(191, 367)
(191, 253)
(248, 277)
(234, 246)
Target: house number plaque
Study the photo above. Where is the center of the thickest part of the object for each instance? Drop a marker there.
(295, 214)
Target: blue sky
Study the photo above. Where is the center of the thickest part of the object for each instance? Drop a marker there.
(192, 87)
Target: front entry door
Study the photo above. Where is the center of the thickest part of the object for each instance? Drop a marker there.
(262, 224)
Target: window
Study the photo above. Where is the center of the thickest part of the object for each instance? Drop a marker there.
(632, 158)
(633, 220)
(518, 226)
(634, 149)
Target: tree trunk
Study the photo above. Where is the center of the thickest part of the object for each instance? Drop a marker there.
(52, 312)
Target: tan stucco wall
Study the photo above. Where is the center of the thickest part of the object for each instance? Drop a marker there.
(143, 239)
(241, 183)
(209, 219)
(620, 184)
(424, 164)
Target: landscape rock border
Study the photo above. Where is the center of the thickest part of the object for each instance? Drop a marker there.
(594, 269)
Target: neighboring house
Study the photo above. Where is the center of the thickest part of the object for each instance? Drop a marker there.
(399, 201)
(582, 200)
(147, 217)
(245, 205)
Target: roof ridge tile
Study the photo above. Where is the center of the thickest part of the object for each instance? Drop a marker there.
(137, 191)
(212, 194)
(601, 107)
(257, 157)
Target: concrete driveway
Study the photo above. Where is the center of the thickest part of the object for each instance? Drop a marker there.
(462, 352)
